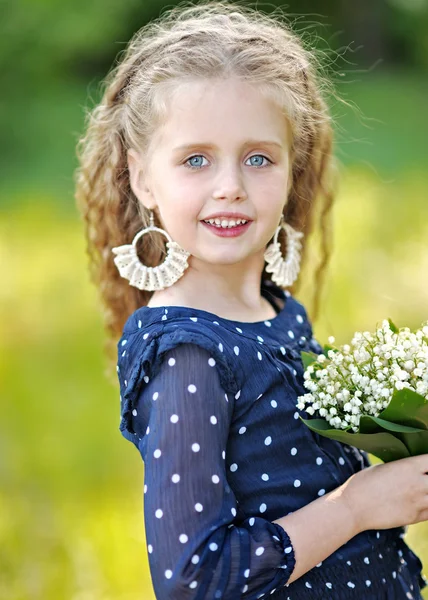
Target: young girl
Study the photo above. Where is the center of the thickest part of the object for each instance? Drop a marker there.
(213, 137)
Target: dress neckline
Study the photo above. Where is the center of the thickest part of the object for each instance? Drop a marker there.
(267, 289)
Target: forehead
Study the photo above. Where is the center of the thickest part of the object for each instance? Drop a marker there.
(225, 109)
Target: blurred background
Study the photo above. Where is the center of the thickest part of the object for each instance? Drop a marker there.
(71, 522)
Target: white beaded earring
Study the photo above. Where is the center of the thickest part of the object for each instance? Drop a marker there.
(151, 278)
(284, 270)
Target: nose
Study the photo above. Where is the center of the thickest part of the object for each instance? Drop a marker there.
(229, 184)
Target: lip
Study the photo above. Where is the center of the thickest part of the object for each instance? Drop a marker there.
(229, 232)
(227, 215)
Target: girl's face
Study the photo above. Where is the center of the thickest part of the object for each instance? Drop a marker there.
(223, 148)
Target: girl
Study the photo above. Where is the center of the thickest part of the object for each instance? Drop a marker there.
(213, 136)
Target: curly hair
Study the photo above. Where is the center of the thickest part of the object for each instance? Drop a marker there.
(207, 40)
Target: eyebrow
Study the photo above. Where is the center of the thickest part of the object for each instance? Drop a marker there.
(207, 145)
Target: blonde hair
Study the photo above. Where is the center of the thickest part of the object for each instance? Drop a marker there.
(211, 39)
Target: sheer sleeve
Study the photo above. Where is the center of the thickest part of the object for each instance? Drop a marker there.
(198, 547)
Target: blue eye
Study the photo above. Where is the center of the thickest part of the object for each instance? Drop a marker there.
(195, 162)
(258, 162)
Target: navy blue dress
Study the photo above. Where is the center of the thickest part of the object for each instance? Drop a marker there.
(210, 404)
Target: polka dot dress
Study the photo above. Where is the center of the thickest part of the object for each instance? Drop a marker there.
(210, 404)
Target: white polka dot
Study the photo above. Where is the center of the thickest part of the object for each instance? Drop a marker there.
(291, 334)
(157, 453)
(329, 585)
(223, 454)
(146, 378)
(148, 429)
(236, 350)
(260, 551)
(262, 507)
(213, 546)
(394, 574)
(134, 412)
(233, 511)
(259, 356)
(238, 329)
(242, 430)
(175, 478)
(238, 393)
(145, 336)
(183, 538)
(296, 415)
(350, 584)
(319, 460)
(164, 317)
(308, 585)
(268, 324)
(293, 451)
(282, 349)
(159, 513)
(288, 550)
(274, 403)
(233, 467)
(139, 324)
(145, 488)
(174, 418)
(252, 521)
(196, 447)
(299, 318)
(367, 560)
(297, 483)
(220, 347)
(211, 362)
(321, 492)
(150, 548)
(155, 396)
(124, 342)
(198, 507)
(265, 477)
(171, 362)
(247, 573)
(213, 419)
(226, 398)
(215, 479)
(348, 562)
(341, 460)
(268, 440)
(168, 573)
(195, 559)
(194, 319)
(216, 323)
(368, 582)
(191, 388)
(193, 585)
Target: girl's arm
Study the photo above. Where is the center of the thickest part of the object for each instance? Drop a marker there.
(319, 528)
(199, 546)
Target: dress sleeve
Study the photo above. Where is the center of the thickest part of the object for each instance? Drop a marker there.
(198, 547)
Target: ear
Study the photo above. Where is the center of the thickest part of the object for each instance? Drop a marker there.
(137, 179)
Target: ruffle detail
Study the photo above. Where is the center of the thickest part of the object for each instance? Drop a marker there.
(145, 355)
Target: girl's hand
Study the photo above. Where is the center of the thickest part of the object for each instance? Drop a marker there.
(389, 495)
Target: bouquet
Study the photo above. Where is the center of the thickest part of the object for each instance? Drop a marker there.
(373, 393)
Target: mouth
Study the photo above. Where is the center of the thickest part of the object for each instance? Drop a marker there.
(229, 228)
(226, 223)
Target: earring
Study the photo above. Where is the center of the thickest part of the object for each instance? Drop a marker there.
(284, 270)
(151, 278)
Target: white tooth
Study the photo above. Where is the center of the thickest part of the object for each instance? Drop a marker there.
(211, 221)
(224, 223)
(238, 221)
(232, 223)
(217, 221)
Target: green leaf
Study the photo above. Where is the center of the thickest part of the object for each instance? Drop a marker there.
(407, 408)
(308, 358)
(384, 445)
(327, 347)
(415, 439)
(393, 327)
